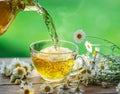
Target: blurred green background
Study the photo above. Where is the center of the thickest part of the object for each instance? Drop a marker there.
(99, 18)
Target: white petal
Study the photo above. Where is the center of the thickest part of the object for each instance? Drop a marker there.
(88, 46)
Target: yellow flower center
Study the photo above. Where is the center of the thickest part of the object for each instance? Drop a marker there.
(79, 36)
(47, 89)
(102, 67)
(26, 91)
(95, 52)
(88, 46)
(17, 65)
(26, 68)
(83, 71)
(20, 71)
(85, 80)
(80, 68)
(78, 77)
(67, 81)
(88, 71)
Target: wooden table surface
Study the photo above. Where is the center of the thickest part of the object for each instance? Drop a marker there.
(15, 89)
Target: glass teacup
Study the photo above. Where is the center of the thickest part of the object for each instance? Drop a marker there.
(53, 64)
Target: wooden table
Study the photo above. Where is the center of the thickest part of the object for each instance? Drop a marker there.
(15, 89)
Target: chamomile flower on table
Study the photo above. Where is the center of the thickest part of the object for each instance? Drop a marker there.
(118, 88)
(78, 90)
(15, 63)
(85, 80)
(79, 36)
(85, 71)
(88, 46)
(25, 83)
(65, 89)
(28, 90)
(78, 64)
(46, 89)
(27, 87)
(27, 67)
(19, 72)
(3, 68)
(8, 71)
(85, 74)
(16, 70)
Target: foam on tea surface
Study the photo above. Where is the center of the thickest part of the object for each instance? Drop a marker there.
(54, 55)
(53, 64)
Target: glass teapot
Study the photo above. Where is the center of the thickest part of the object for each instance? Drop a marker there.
(10, 8)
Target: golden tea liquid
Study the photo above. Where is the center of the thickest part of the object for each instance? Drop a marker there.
(53, 67)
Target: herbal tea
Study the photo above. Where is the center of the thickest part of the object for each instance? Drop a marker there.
(7, 14)
(52, 65)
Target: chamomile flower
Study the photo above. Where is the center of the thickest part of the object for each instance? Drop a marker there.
(16, 70)
(118, 89)
(12, 78)
(85, 80)
(25, 83)
(86, 59)
(78, 90)
(96, 50)
(8, 71)
(3, 68)
(17, 81)
(28, 89)
(78, 64)
(27, 67)
(46, 88)
(103, 66)
(85, 71)
(64, 89)
(16, 63)
(61, 91)
(79, 36)
(104, 84)
(88, 46)
(19, 72)
(93, 73)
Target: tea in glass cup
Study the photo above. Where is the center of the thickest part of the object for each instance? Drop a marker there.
(53, 64)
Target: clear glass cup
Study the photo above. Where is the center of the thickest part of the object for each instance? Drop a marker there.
(53, 64)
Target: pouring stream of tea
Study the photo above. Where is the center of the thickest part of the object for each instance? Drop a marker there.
(48, 21)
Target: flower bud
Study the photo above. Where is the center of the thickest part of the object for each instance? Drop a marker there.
(17, 81)
(12, 78)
